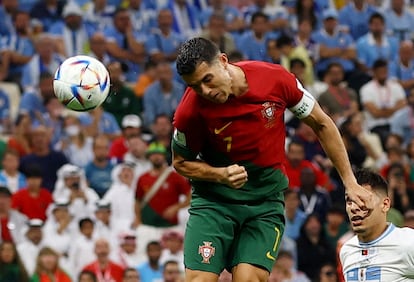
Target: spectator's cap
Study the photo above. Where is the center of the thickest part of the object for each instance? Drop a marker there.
(69, 170)
(103, 205)
(156, 148)
(409, 215)
(330, 14)
(60, 203)
(72, 9)
(131, 121)
(35, 222)
(171, 235)
(128, 237)
(4, 191)
(34, 171)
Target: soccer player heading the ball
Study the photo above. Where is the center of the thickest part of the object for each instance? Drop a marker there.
(379, 251)
(229, 140)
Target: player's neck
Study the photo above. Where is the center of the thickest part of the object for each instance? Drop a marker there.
(239, 86)
(375, 233)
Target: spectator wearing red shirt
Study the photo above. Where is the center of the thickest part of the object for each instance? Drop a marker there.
(103, 267)
(11, 221)
(33, 200)
(131, 126)
(296, 162)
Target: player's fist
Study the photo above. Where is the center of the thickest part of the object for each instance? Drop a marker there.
(235, 176)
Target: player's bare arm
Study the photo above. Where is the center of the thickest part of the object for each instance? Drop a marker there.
(331, 141)
(234, 175)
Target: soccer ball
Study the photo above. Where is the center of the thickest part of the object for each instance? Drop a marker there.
(81, 83)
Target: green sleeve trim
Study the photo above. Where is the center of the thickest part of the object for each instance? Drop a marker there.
(183, 151)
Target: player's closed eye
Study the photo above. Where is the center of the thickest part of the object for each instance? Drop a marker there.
(329, 273)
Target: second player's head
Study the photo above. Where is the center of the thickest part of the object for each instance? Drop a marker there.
(205, 69)
(369, 225)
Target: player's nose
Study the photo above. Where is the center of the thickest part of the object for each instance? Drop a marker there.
(205, 89)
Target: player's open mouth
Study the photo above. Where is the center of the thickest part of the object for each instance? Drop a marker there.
(356, 220)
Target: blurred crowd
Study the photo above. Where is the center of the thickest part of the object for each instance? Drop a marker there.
(92, 196)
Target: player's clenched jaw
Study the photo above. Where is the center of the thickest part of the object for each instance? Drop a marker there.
(368, 225)
(211, 81)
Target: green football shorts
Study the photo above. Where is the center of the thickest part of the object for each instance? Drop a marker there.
(222, 235)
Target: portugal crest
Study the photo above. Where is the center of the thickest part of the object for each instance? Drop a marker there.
(206, 251)
(269, 112)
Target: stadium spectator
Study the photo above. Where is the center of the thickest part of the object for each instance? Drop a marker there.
(30, 247)
(121, 100)
(381, 98)
(17, 48)
(19, 140)
(136, 156)
(216, 32)
(400, 194)
(47, 12)
(146, 78)
(233, 18)
(401, 69)
(161, 209)
(294, 216)
(74, 142)
(98, 49)
(152, 269)
(81, 251)
(71, 186)
(98, 13)
(334, 45)
(10, 176)
(284, 269)
(126, 253)
(10, 219)
(11, 266)
(272, 52)
(71, 35)
(131, 127)
(172, 242)
(87, 276)
(327, 273)
(409, 218)
(296, 161)
(304, 37)
(355, 16)
(45, 60)
(103, 267)
(142, 16)
(399, 20)
(33, 101)
(125, 45)
(313, 199)
(376, 44)
(338, 101)
(162, 133)
(163, 96)
(171, 271)
(312, 241)
(49, 160)
(5, 118)
(163, 41)
(98, 171)
(289, 51)
(53, 118)
(186, 18)
(306, 10)
(48, 267)
(33, 200)
(336, 225)
(7, 9)
(131, 275)
(252, 43)
(121, 193)
(98, 121)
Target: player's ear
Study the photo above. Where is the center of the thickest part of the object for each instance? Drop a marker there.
(223, 59)
(386, 204)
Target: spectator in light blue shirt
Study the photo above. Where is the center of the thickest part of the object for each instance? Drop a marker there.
(402, 122)
(294, 216)
(7, 8)
(152, 270)
(399, 21)
(5, 122)
(402, 69)
(163, 96)
(98, 121)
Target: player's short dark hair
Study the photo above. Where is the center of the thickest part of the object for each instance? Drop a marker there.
(380, 63)
(193, 52)
(373, 179)
(376, 15)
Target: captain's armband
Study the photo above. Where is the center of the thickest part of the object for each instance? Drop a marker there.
(305, 105)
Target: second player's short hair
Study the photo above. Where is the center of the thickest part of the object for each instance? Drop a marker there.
(373, 179)
(193, 52)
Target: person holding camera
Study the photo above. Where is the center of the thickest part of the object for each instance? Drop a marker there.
(72, 187)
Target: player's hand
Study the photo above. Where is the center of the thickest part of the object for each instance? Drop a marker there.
(235, 176)
(362, 197)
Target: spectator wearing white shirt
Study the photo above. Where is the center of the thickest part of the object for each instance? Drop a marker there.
(29, 248)
(127, 254)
